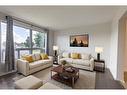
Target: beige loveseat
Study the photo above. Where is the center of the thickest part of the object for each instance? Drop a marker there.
(27, 68)
(85, 61)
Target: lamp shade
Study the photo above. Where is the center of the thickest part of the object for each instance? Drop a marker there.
(98, 49)
(55, 47)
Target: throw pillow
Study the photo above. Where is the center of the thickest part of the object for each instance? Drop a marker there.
(28, 58)
(75, 55)
(33, 56)
(65, 55)
(85, 56)
(37, 56)
(44, 56)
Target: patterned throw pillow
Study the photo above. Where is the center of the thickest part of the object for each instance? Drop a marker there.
(28, 58)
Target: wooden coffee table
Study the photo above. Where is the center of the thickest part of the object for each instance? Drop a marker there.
(63, 76)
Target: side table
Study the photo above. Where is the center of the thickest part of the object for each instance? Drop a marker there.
(99, 65)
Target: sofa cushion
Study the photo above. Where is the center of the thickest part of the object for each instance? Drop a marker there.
(46, 61)
(81, 62)
(85, 56)
(65, 55)
(37, 56)
(68, 60)
(37, 64)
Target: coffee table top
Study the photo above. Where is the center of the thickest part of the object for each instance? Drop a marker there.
(60, 69)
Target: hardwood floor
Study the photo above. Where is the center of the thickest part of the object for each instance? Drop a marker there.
(7, 82)
(103, 81)
(2, 69)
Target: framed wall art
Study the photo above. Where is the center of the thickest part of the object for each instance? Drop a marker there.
(79, 40)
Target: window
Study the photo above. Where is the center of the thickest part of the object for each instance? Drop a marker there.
(38, 41)
(3, 42)
(28, 41)
(21, 41)
(21, 37)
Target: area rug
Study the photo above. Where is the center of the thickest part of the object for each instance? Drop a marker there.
(86, 79)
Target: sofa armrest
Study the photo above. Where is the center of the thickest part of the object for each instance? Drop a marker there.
(91, 63)
(23, 66)
(51, 58)
(59, 57)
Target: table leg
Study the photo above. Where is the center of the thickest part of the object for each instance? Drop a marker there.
(78, 74)
(51, 74)
(73, 80)
(104, 67)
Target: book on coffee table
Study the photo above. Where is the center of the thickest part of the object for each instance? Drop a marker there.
(69, 69)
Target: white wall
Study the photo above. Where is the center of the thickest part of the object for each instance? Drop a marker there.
(115, 63)
(121, 47)
(2, 16)
(113, 49)
(99, 35)
(125, 64)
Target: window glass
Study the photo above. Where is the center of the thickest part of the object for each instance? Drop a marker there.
(24, 52)
(36, 51)
(3, 41)
(38, 39)
(21, 37)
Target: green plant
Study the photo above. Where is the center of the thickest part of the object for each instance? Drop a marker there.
(63, 62)
(39, 39)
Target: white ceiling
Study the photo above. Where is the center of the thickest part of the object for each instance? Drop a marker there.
(62, 17)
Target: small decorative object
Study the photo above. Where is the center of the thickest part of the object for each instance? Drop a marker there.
(79, 40)
(98, 50)
(65, 77)
(63, 63)
(69, 69)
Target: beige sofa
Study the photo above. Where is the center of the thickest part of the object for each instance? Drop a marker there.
(86, 61)
(27, 68)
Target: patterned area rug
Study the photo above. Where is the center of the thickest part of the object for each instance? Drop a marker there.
(86, 79)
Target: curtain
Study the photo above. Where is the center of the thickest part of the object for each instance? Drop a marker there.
(9, 54)
(47, 41)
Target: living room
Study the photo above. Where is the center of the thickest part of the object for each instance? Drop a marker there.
(98, 30)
